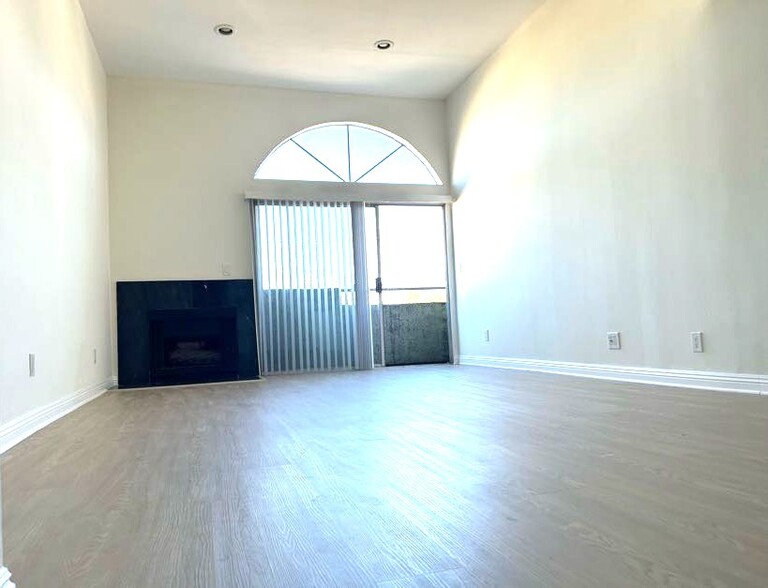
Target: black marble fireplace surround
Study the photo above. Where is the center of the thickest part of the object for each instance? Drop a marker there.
(185, 332)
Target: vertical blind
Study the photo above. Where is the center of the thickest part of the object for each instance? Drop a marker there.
(305, 286)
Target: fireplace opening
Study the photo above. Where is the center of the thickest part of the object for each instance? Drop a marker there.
(182, 351)
(193, 345)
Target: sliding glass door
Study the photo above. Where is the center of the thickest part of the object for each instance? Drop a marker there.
(407, 270)
(344, 286)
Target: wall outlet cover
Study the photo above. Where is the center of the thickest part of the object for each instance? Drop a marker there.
(697, 342)
(614, 340)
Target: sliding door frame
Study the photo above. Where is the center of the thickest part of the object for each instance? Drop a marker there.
(358, 196)
(379, 294)
(450, 267)
(450, 275)
(362, 294)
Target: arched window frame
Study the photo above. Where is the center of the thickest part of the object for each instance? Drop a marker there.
(345, 191)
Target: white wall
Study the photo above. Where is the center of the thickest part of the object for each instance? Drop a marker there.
(612, 165)
(182, 154)
(54, 260)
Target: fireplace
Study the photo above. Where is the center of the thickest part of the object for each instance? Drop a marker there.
(185, 332)
(193, 345)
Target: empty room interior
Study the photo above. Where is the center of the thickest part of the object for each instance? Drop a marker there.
(429, 293)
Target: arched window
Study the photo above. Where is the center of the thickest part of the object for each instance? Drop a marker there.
(350, 153)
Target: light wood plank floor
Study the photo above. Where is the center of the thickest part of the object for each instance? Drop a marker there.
(427, 476)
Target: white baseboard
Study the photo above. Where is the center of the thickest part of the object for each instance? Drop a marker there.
(5, 579)
(720, 381)
(20, 428)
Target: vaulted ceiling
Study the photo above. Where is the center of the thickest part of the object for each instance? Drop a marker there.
(322, 45)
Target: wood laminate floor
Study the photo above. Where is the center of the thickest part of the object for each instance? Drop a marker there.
(428, 476)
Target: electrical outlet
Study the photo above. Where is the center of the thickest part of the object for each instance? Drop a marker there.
(697, 342)
(94, 356)
(31, 365)
(487, 335)
(614, 340)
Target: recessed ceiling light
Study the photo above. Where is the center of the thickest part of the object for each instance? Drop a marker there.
(384, 44)
(224, 30)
